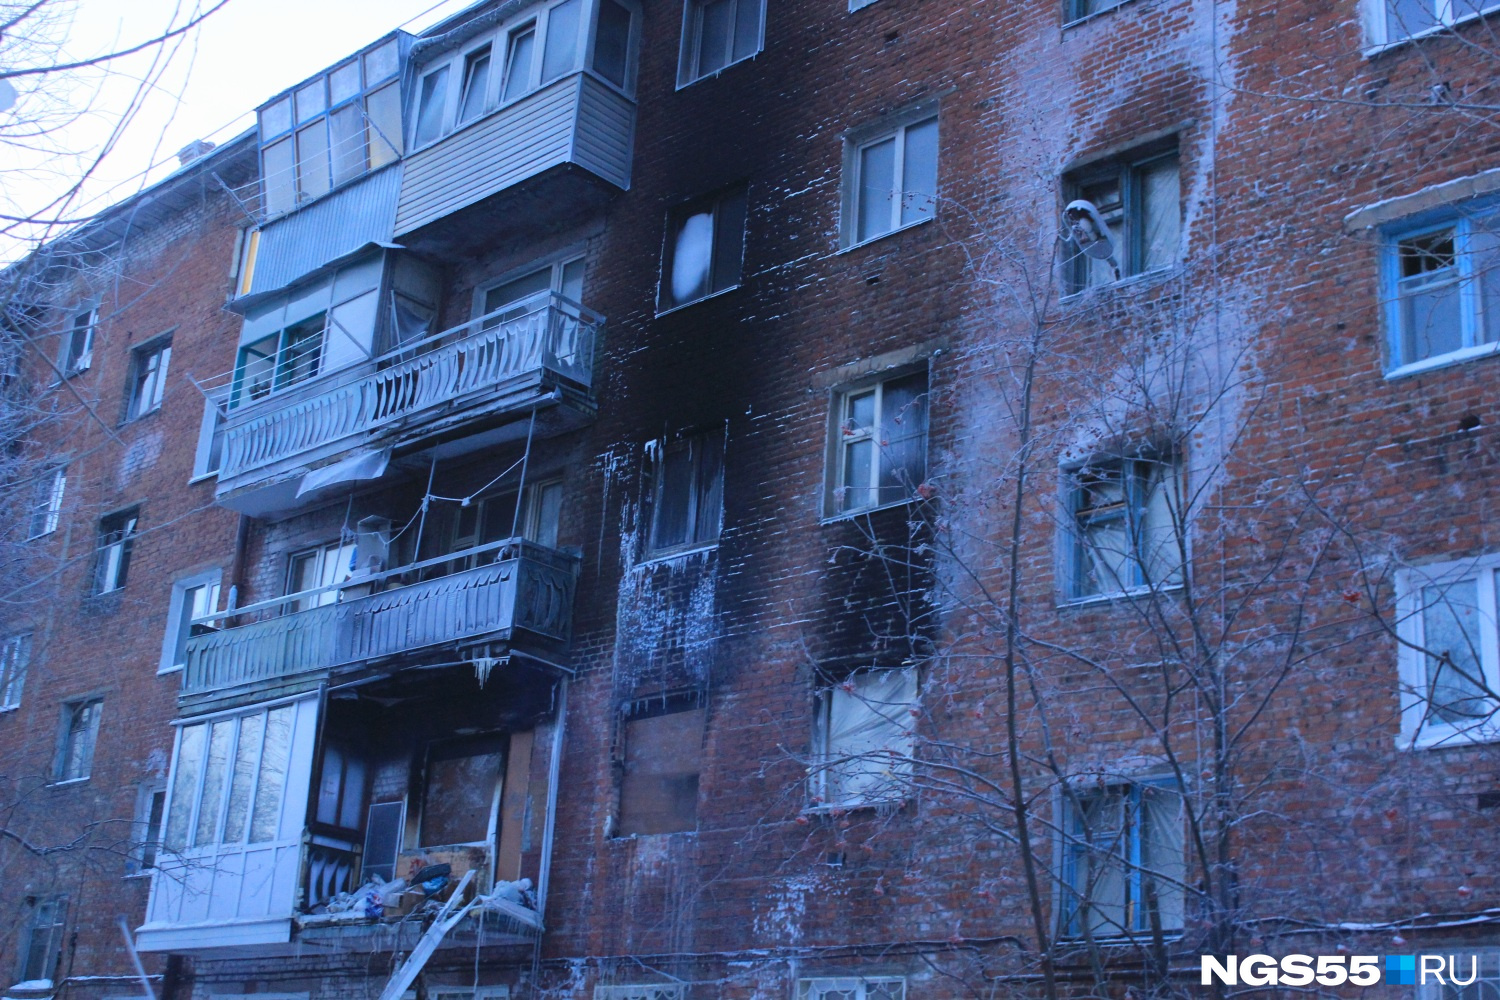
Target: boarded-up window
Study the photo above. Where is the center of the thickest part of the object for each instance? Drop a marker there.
(659, 788)
(458, 803)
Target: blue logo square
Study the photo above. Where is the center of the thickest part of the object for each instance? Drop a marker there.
(1401, 970)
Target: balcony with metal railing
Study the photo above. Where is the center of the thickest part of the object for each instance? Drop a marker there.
(515, 594)
(494, 367)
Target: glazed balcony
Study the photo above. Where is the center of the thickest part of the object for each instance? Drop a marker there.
(517, 593)
(484, 372)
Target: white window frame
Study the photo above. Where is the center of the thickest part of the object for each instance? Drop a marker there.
(146, 848)
(1378, 29)
(821, 987)
(176, 605)
(46, 510)
(1463, 220)
(143, 374)
(841, 436)
(15, 658)
(1069, 847)
(55, 931)
(830, 761)
(1416, 729)
(205, 462)
(556, 267)
(72, 363)
(688, 72)
(853, 184)
(641, 991)
(341, 569)
(62, 771)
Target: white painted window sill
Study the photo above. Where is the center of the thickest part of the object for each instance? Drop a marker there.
(849, 515)
(1371, 51)
(692, 302)
(887, 234)
(1443, 361)
(1447, 737)
(1133, 594)
(69, 781)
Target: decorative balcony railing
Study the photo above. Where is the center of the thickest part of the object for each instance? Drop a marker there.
(411, 384)
(517, 585)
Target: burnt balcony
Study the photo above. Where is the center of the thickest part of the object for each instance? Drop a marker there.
(515, 594)
(278, 449)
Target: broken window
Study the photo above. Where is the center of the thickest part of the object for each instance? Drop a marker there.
(880, 443)
(150, 809)
(42, 947)
(864, 738)
(47, 500)
(891, 181)
(687, 493)
(1445, 295)
(1126, 515)
(461, 796)
(1449, 651)
(1123, 859)
(718, 33)
(705, 248)
(612, 42)
(1138, 200)
(662, 751)
(78, 344)
(148, 377)
(331, 129)
(342, 789)
(80, 731)
(15, 657)
(112, 558)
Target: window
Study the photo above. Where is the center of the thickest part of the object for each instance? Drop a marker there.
(520, 295)
(281, 360)
(112, 559)
(852, 988)
(1136, 202)
(476, 83)
(1450, 652)
(879, 443)
(468, 992)
(1443, 297)
(321, 568)
(687, 493)
(192, 598)
(47, 500)
(78, 343)
(640, 992)
(1480, 967)
(718, 33)
(148, 377)
(1125, 515)
(663, 747)
(343, 788)
(1122, 858)
(890, 181)
(228, 779)
(210, 451)
(461, 795)
(705, 248)
(1394, 20)
(150, 808)
(1077, 10)
(80, 729)
(15, 657)
(863, 739)
(331, 129)
(43, 942)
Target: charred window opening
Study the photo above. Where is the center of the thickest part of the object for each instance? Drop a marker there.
(863, 738)
(1137, 200)
(687, 493)
(659, 759)
(705, 248)
(461, 791)
(1127, 523)
(879, 446)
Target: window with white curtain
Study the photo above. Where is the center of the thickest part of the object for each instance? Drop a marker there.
(1123, 858)
(864, 739)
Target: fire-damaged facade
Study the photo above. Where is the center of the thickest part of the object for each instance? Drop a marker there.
(824, 500)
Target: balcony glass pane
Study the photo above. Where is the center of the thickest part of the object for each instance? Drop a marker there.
(347, 126)
(185, 784)
(279, 178)
(561, 52)
(380, 63)
(612, 42)
(273, 764)
(242, 781)
(215, 771)
(518, 58)
(383, 111)
(430, 108)
(312, 160)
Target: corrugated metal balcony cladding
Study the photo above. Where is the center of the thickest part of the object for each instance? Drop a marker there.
(336, 225)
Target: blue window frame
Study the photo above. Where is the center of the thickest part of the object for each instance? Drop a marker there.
(1442, 289)
(1123, 857)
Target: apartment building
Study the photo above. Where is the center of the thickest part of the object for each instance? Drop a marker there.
(836, 499)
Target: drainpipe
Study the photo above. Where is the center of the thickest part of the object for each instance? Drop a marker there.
(550, 826)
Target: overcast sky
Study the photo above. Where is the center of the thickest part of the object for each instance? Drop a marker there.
(241, 55)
